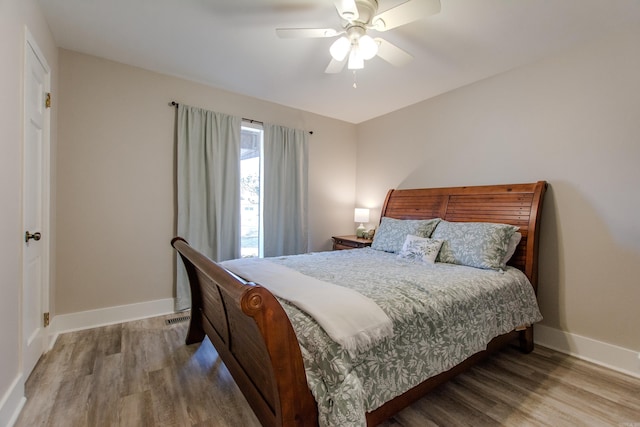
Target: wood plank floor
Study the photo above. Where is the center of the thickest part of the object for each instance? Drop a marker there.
(141, 374)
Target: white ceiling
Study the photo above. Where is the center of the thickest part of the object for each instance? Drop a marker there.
(231, 44)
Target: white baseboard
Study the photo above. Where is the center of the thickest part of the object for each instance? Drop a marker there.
(12, 402)
(108, 316)
(611, 356)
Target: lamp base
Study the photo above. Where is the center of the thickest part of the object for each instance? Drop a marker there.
(360, 230)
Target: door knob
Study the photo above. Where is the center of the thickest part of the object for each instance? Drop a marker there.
(35, 236)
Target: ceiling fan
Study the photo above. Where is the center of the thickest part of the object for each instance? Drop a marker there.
(355, 45)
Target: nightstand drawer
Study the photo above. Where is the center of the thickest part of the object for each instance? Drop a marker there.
(350, 242)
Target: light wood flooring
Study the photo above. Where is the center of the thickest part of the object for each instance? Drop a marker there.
(141, 374)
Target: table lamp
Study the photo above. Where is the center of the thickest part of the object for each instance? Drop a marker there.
(361, 215)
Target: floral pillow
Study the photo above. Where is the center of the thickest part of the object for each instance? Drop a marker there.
(511, 248)
(392, 232)
(475, 244)
(420, 249)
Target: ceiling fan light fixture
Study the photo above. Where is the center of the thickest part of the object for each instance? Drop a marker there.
(368, 47)
(340, 48)
(356, 61)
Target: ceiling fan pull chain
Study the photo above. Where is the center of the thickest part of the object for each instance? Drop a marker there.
(355, 83)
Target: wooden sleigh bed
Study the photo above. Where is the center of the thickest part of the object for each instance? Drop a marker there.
(254, 337)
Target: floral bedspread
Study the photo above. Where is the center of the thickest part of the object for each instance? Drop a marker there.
(442, 314)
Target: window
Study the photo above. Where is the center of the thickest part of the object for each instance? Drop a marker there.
(251, 143)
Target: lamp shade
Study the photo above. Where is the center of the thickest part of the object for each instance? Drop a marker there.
(368, 47)
(340, 48)
(361, 215)
(356, 61)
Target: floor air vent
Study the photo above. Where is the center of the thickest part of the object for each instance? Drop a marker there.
(177, 320)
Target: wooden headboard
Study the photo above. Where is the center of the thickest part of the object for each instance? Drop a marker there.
(516, 204)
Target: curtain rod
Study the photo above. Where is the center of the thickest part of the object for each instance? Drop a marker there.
(175, 104)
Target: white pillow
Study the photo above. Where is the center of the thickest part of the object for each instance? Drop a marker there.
(420, 249)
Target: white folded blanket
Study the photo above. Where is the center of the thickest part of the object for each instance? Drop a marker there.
(351, 319)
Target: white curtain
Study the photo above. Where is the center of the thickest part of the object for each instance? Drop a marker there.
(208, 188)
(285, 191)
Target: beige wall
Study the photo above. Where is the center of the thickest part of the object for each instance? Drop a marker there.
(573, 120)
(116, 177)
(14, 16)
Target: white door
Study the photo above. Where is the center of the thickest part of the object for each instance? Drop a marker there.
(35, 278)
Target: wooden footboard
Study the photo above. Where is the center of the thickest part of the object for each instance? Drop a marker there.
(253, 336)
(256, 341)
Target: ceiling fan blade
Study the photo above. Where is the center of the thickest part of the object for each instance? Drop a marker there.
(410, 11)
(347, 9)
(392, 53)
(335, 66)
(295, 33)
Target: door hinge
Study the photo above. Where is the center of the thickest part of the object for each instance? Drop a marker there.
(46, 319)
(47, 101)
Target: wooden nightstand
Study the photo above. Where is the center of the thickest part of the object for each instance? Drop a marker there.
(350, 242)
